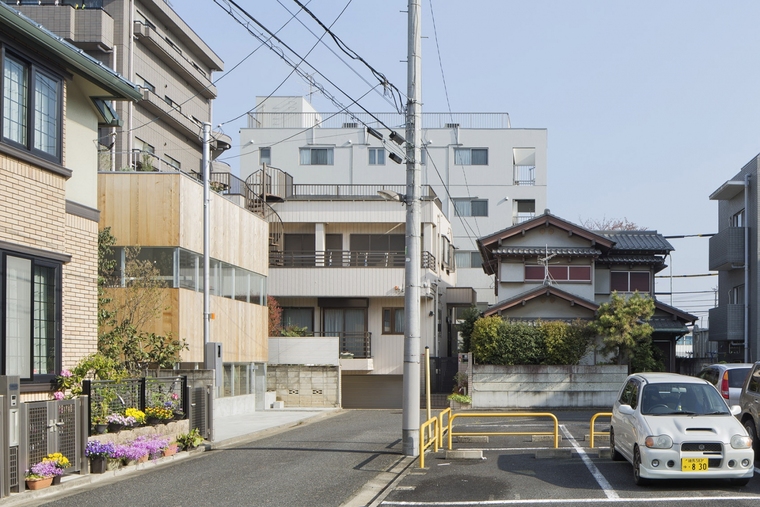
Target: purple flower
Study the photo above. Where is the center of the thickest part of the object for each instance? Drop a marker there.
(58, 395)
(95, 448)
(66, 373)
(45, 469)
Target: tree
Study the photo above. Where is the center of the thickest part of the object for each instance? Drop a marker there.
(623, 325)
(468, 317)
(125, 313)
(275, 316)
(610, 224)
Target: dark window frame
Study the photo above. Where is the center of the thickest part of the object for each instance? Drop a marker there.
(628, 286)
(392, 320)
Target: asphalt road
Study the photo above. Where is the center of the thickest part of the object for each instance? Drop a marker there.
(322, 463)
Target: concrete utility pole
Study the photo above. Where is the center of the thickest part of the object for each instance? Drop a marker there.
(205, 162)
(411, 400)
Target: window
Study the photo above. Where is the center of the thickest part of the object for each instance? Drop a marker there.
(471, 156)
(526, 210)
(736, 295)
(316, 156)
(32, 108)
(31, 304)
(558, 273)
(376, 156)
(737, 219)
(169, 101)
(350, 324)
(380, 250)
(265, 155)
(471, 207)
(145, 84)
(393, 321)
(173, 162)
(630, 281)
(141, 145)
(630, 394)
(468, 259)
(299, 317)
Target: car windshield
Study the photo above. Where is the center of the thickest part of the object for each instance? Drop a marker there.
(682, 398)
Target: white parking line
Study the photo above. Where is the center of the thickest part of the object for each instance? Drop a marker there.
(569, 501)
(590, 465)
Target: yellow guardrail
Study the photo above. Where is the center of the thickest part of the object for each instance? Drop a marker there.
(555, 433)
(592, 433)
(443, 428)
(427, 442)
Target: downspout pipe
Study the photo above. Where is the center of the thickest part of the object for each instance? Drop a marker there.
(746, 267)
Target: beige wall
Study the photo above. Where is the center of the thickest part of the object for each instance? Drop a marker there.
(81, 127)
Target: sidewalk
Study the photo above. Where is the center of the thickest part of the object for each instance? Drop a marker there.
(228, 431)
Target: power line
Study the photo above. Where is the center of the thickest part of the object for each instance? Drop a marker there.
(440, 61)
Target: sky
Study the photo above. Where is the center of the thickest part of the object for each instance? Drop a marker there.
(649, 106)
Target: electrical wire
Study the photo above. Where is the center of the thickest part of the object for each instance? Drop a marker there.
(440, 61)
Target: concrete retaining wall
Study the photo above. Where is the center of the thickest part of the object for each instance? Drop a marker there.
(300, 385)
(545, 386)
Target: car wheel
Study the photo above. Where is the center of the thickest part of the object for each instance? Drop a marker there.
(738, 482)
(616, 456)
(749, 425)
(637, 478)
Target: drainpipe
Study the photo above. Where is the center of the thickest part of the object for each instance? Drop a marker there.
(746, 268)
(131, 36)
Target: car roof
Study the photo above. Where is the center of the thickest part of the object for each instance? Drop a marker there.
(730, 366)
(658, 377)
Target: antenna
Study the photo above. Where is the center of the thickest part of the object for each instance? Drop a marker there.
(544, 261)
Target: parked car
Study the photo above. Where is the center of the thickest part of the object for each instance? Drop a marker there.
(749, 400)
(727, 378)
(671, 426)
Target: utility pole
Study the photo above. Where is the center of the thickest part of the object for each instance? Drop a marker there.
(205, 162)
(410, 423)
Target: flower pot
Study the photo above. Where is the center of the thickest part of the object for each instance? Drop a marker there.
(113, 464)
(115, 427)
(39, 483)
(171, 450)
(56, 480)
(101, 428)
(98, 464)
(143, 459)
(179, 415)
(152, 421)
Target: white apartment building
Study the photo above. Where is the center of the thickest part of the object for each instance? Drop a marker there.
(484, 172)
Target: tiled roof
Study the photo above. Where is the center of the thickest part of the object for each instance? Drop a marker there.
(667, 325)
(650, 241)
(529, 250)
(631, 259)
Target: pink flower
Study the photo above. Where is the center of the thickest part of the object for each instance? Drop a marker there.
(58, 395)
(175, 396)
(66, 373)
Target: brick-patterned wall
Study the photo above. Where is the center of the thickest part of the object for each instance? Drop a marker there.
(80, 290)
(33, 204)
(304, 386)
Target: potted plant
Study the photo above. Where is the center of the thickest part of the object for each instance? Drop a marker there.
(137, 415)
(41, 475)
(171, 449)
(457, 400)
(60, 461)
(158, 415)
(117, 422)
(102, 409)
(99, 452)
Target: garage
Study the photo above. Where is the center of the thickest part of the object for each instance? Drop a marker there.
(372, 391)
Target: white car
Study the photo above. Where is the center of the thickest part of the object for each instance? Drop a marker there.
(671, 426)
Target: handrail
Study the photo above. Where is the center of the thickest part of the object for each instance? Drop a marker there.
(593, 420)
(434, 440)
(441, 428)
(507, 415)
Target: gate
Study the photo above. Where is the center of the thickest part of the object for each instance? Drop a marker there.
(53, 426)
(442, 371)
(201, 409)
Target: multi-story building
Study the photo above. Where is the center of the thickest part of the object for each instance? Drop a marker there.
(548, 268)
(734, 254)
(52, 108)
(149, 44)
(339, 273)
(483, 171)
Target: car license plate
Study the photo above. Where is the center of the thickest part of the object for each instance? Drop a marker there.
(694, 464)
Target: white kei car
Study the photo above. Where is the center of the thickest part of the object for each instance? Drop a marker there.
(671, 426)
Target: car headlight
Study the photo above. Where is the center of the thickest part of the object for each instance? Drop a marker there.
(661, 442)
(741, 442)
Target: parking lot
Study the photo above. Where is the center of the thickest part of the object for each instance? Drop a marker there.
(525, 470)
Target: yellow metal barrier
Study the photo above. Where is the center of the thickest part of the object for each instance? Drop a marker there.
(507, 415)
(593, 420)
(434, 441)
(443, 428)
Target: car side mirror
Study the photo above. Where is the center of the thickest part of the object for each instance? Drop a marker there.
(736, 410)
(625, 409)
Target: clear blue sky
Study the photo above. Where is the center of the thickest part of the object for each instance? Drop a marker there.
(649, 105)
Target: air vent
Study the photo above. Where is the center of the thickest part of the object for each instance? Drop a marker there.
(350, 125)
(451, 125)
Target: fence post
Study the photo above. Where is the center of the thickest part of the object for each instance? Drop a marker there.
(84, 432)
(143, 386)
(87, 409)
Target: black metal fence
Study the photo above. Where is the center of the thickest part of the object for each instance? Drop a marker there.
(115, 397)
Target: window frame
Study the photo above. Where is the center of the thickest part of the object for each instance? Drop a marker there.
(469, 200)
(374, 156)
(33, 69)
(268, 157)
(36, 379)
(560, 273)
(464, 156)
(628, 273)
(330, 151)
(393, 320)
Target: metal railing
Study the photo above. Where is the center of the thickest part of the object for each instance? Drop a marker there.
(433, 437)
(271, 183)
(452, 433)
(525, 175)
(346, 259)
(592, 432)
(393, 120)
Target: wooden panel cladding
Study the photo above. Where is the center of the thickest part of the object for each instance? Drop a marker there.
(166, 209)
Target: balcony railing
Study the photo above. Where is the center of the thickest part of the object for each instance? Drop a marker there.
(394, 120)
(727, 249)
(345, 259)
(525, 175)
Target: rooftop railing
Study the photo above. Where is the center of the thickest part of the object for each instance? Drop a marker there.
(377, 120)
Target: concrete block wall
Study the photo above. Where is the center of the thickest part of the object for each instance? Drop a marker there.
(305, 386)
(494, 387)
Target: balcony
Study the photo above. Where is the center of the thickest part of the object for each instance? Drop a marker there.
(346, 259)
(173, 116)
(354, 120)
(90, 29)
(727, 323)
(727, 250)
(175, 60)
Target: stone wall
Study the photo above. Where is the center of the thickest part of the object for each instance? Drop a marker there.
(305, 386)
(545, 386)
